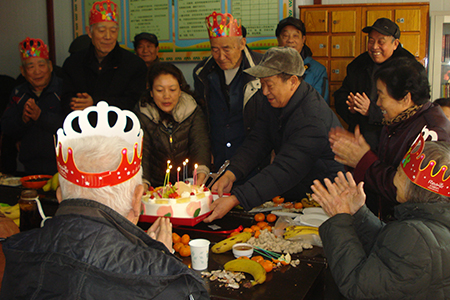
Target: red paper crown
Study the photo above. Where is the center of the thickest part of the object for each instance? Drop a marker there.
(99, 14)
(67, 167)
(30, 48)
(228, 26)
(425, 178)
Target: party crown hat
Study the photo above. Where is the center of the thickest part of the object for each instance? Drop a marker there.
(425, 177)
(67, 167)
(30, 48)
(228, 26)
(100, 14)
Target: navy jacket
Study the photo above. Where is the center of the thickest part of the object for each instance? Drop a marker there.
(88, 251)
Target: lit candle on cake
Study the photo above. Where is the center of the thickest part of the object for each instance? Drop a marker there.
(195, 174)
(187, 168)
(184, 171)
(178, 174)
(166, 178)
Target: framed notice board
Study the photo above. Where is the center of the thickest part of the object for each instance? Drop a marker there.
(180, 24)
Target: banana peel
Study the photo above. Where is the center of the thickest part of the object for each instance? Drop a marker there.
(226, 244)
(248, 266)
(296, 230)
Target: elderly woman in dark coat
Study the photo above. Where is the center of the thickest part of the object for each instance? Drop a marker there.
(404, 99)
(403, 259)
(174, 127)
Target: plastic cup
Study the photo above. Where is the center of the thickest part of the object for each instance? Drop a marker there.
(199, 253)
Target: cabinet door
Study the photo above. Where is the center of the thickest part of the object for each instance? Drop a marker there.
(411, 42)
(373, 15)
(339, 69)
(318, 44)
(408, 19)
(343, 46)
(343, 21)
(316, 20)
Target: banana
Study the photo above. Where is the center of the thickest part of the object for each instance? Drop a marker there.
(55, 181)
(248, 266)
(11, 212)
(227, 244)
(293, 231)
(47, 187)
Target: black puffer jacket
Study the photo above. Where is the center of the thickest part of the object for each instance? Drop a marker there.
(404, 259)
(88, 251)
(298, 133)
(188, 138)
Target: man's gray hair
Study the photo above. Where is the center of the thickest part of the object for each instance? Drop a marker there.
(440, 152)
(95, 154)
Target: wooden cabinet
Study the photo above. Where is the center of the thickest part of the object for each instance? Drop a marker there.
(334, 32)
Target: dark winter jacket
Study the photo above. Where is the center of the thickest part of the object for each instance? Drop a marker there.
(187, 137)
(88, 251)
(37, 150)
(119, 79)
(298, 133)
(404, 259)
(250, 104)
(359, 80)
(378, 170)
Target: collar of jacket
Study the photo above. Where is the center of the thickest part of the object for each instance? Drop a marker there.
(26, 87)
(112, 59)
(294, 102)
(438, 212)
(185, 107)
(102, 213)
(407, 122)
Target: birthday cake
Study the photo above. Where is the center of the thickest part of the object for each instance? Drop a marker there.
(177, 201)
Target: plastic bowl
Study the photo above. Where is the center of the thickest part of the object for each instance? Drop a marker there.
(35, 181)
(242, 249)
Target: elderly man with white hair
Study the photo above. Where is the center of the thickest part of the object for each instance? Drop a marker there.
(92, 248)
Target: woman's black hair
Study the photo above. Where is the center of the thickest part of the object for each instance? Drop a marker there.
(405, 75)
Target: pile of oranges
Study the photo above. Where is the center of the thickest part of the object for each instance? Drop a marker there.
(181, 244)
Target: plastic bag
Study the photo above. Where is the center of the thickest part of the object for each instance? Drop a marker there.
(284, 221)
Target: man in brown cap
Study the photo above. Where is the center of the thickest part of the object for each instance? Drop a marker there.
(294, 123)
(146, 46)
(356, 99)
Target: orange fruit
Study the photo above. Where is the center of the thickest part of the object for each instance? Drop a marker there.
(255, 227)
(262, 225)
(177, 246)
(259, 217)
(258, 258)
(271, 218)
(234, 233)
(278, 200)
(298, 205)
(288, 205)
(248, 230)
(185, 251)
(257, 233)
(243, 257)
(185, 239)
(175, 238)
(267, 265)
(269, 228)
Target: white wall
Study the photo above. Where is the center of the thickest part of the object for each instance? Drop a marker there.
(22, 18)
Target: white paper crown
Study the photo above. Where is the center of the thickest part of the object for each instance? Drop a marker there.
(126, 170)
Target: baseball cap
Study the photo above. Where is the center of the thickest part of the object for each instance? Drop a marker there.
(145, 36)
(297, 23)
(278, 60)
(384, 26)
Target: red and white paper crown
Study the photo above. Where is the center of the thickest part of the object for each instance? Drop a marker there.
(101, 14)
(30, 48)
(426, 177)
(66, 165)
(228, 26)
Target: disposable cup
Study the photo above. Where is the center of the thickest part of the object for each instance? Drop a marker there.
(199, 253)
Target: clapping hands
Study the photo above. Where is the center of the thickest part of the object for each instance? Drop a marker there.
(348, 148)
(342, 196)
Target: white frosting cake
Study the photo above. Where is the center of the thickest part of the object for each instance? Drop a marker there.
(179, 201)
